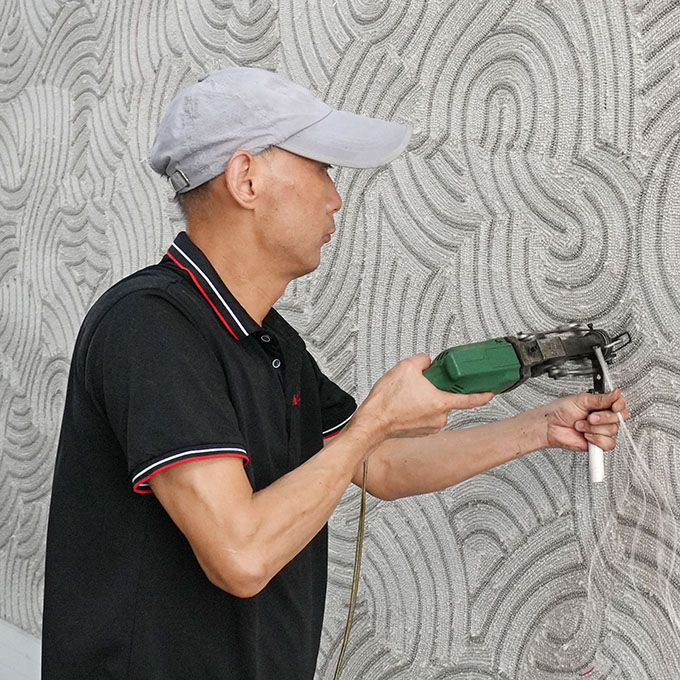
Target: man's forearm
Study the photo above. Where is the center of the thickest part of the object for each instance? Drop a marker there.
(243, 538)
(295, 507)
(409, 466)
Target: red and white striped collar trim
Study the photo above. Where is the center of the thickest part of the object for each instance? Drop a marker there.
(189, 257)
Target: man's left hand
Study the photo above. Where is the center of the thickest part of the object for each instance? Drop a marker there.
(573, 422)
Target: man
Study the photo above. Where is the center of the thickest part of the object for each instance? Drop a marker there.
(202, 449)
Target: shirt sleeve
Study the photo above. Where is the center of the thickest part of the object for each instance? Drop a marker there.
(337, 406)
(161, 387)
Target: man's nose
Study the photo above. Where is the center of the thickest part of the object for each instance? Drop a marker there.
(336, 201)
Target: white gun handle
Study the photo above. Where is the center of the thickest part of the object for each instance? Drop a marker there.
(595, 463)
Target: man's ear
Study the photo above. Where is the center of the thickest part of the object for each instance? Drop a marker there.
(238, 179)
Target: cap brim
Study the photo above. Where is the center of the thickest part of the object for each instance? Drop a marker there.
(349, 140)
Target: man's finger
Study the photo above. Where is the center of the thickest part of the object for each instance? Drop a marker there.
(619, 404)
(597, 402)
(604, 442)
(602, 417)
(608, 430)
(461, 401)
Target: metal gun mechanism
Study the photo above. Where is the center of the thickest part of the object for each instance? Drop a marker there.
(566, 350)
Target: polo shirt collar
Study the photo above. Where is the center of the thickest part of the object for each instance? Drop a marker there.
(189, 257)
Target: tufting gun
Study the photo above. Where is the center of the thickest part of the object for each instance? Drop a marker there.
(502, 364)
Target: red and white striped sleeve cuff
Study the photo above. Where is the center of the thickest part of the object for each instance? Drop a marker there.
(140, 480)
(331, 432)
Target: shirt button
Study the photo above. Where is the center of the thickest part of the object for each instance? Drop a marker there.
(265, 338)
(276, 363)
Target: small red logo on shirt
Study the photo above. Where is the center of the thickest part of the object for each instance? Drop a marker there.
(296, 399)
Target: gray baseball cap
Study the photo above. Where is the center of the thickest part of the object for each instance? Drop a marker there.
(252, 109)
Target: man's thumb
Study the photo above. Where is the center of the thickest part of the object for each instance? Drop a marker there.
(421, 361)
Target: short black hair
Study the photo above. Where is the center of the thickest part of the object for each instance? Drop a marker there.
(189, 199)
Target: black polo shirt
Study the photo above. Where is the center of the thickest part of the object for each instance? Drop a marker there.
(169, 368)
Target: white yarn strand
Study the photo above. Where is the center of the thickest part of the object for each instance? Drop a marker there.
(655, 515)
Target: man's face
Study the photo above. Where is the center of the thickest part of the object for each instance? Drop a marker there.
(300, 200)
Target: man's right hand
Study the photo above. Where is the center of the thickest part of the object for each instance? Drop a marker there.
(404, 403)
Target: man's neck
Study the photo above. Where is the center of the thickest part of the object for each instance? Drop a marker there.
(237, 264)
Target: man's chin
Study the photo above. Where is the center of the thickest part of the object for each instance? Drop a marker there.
(308, 267)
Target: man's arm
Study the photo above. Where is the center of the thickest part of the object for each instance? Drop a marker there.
(402, 467)
(243, 538)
